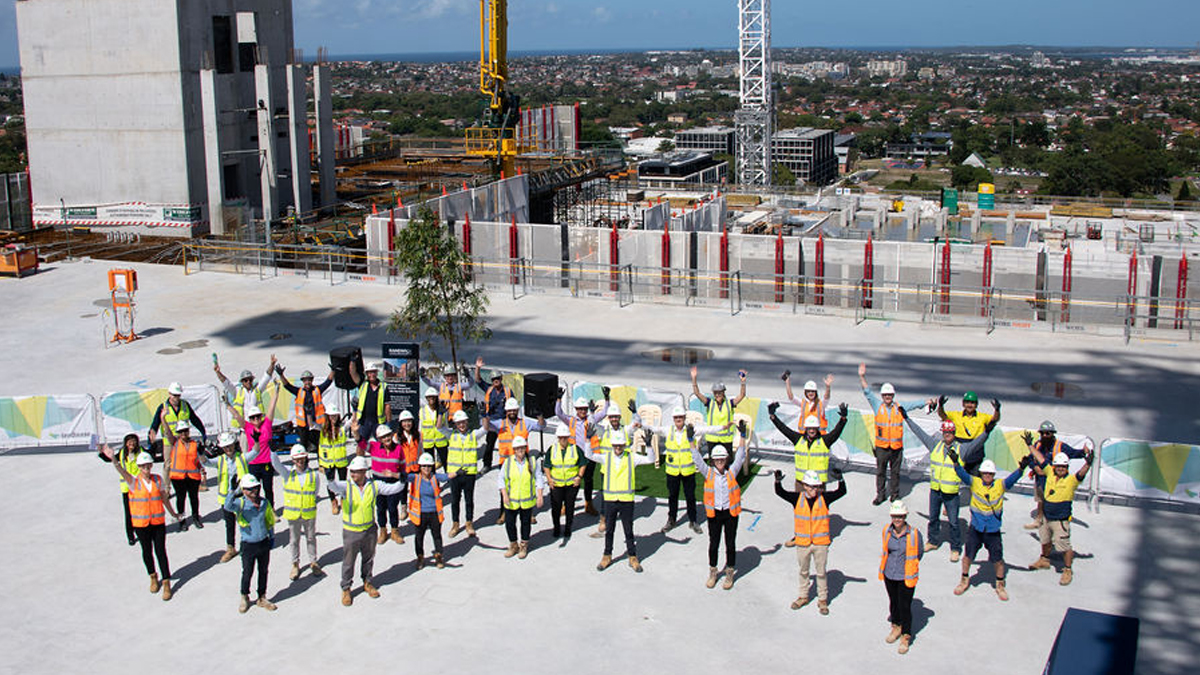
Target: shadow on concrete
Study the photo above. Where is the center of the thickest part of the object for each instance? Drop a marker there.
(182, 575)
(750, 558)
(1164, 593)
(920, 616)
(151, 332)
(838, 523)
(837, 581)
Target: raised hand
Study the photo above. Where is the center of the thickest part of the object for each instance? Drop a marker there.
(772, 407)
(693, 371)
(632, 406)
(691, 432)
(1088, 455)
(996, 404)
(829, 380)
(607, 391)
(561, 391)
(478, 361)
(742, 375)
(862, 370)
(942, 401)
(778, 476)
(1027, 436)
(742, 429)
(787, 375)
(106, 451)
(843, 410)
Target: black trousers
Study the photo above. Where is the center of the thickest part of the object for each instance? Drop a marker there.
(330, 471)
(429, 523)
(387, 507)
(366, 430)
(128, 519)
(443, 453)
(624, 511)
(489, 449)
(900, 598)
(563, 495)
(264, 473)
(462, 488)
(189, 488)
(589, 482)
(255, 553)
(887, 468)
(153, 539)
(510, 524)
(688, 483)
(722, 521)
(231, 526)
(310, 438)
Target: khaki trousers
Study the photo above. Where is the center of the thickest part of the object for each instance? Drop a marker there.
(806, 555)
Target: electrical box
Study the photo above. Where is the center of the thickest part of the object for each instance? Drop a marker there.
(122, 280)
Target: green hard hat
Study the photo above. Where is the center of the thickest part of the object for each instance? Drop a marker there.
(970, 397)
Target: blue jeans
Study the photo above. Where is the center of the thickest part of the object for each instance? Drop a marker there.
(938, 499)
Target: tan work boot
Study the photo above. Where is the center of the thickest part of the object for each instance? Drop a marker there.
(511, 551)
(790, 543)
(370, 590)
(439, 561)
(396, 536)
(962, 586)
(590, 510)
(823, 607)
(930, 546)
(894, 635)
(729, 572)
(1001, 592)
(604, 563)
(265, 603)
(713, 575)
(633, 562)
(905, 641)
(295, 572)
(455, 529)
(420, 562)
(1042, 563)
(383, 536)
(337, 507)
(167, 592)
(522, 550)
(154, 585)
(954, 556)
(244, 605)
(800, 602)
(230, 554)
(1065, 579)
(500, 518)
(470, 529)
(347, 598)
(1033, 524)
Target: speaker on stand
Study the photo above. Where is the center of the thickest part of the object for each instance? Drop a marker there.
(541, 391)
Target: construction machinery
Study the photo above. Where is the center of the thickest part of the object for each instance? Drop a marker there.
(496, 137)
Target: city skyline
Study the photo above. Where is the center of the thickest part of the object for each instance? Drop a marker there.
(380, 27)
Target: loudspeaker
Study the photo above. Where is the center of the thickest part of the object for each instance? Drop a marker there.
(340, 359)
(541, 390)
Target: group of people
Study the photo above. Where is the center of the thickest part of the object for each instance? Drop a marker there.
(379, 474)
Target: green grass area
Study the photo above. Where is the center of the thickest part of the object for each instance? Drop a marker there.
(653, 482)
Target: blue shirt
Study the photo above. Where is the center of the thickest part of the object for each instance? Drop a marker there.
(256, 528)
(428, 496)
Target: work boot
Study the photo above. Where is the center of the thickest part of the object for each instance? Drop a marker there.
(420, 562)
(522, 550)
(894, 635)
(439, 561)
(265, 603)
(1034, 524)
(566, 538)
(1064, 580)
(316, 570)
(295, 572)
(197, 522)
(954, 556)
(790, 543)
(729, 572)
(556, 532)
(383, 536)
(533, 519)
(823, 607)
(1001, 592)
(347, 598)
(962, 586)
(396, 536)
(930, 546)
(244, 605)
(470, 529)
(905, 641)
(713, 575)
(800, 602)
(183, 525)
(633, 562)
(697, 529)
(167, 592)
(876, 502)
(590, 510)
(230, 554)
(669, 526)
(337, 507)
(511, 551)
(154, 585)
(370, 590)
(455, 529)
(500, 518)
(604, 563)
(1042, 563)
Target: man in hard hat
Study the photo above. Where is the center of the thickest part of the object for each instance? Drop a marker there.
(246, 388)
(889, 435)
(521, 488)
(610, 428)
(1048, 445)
(168, 415)
(231, 465)
(425, 507)
(943, 479)
(1059, 492)
(810, 403)
(584, 430)
(148, 502)
(722, 506)
(718, 411)
(969, 423)
(433, 419)
(372, 408)
(811, 448)
(183, 462)
(680, 467)
(450, 392)
(256, 517)
(510, 428)
(563, 467)
(620, 481)
(359, 496)
(494, 396)
(812, 536)
(462, 465)
(387, 466)
(333, 448)
(899, 569)
(308, 410)
(301, 484)
(987, 509)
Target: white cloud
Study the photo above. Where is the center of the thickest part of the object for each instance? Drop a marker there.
(602, 14)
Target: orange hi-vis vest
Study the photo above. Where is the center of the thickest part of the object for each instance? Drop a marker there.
(811, 523)
(410, 450)
(593, 440)
(508, 432)
(452, 397)
(145, 501)
(185, 460)
(816, 408)
(318, 407)
(710, 493)
(912, 560)
(414, 499)
(487, 397)
(889, 427)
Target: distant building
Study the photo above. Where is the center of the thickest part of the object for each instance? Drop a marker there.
(1039, 60)
(845, 147)
(975, 160)
(889, 69)
(682, 168)
(717, 140)
(807, 152)
(926, 74)
(677, 118)
(922, 146)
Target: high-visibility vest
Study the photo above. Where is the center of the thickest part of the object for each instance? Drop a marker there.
(816, 408)
(318, 407)
(379, 402)
(452, 397)
(811, 525)
(431, 435)
(719, 416)
(519, 481)
(239, 402)
(268, 514)
(300, 495)
(987, 500)
(185, 460)
(463, 453)
(331, 451)
(618, 477)
(487, 397)
(942, 476)
(813, 457)
(710, 493)
(238, 463)
(679, 453)
(507, 433)
(1049, 456)
(412, 453)
(593, 440)
(129, 463)
(564, 464)
(145, 501)
(889, 427)
(384, 458)
(1060, 489)
(358, 511)
(912, 559)
(170, 416)
(414, 498)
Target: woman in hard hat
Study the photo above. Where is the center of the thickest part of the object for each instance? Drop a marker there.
(387, 465)
(231, 465)
(425, 507)
(183, 463)
(462, 465)
(127, 457)
(147, 502)
(563, 467)
(256, 517)
(301, 484)
(333, 449)
(899, 565)
(810, 403)
(359, 496)
(521, 489)
(812, 535)
(408, 437)
(433, 419)
(259, 429)
(722, 504)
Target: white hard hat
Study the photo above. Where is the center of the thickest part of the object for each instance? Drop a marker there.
(520, 442)
(430, 391)
(678, 412)
(459, 416)
(182, 425)
(1061, 459)
(383, 431)
(719, 452)
(898, 509)
(811, 385)
(226, 439)
(246, 375)
(581, 402)
(988, 466)
(248, 482)
(251, 410)
(617, 437)
(614, 410)
(887, 388)
(144, 458)
(406, 415)
(811, 478)
(374, 365)
(425, 459)
(360, 464)
(812, 422)
(511, 404)
(563, 431)
(298, 452)
(718, 386)
(452, 373)
(331, 408)
(175, 388)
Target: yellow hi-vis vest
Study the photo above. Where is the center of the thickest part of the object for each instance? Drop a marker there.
(987, 500)
(431, 435)
(942, 476)
(131, 467)
(564, 464)
(171, 417)
(813, 457)
(358, 510)
(300, 495)
(239, 402)
(718, 416)
(223, 464)
(380, 394)
(463, 454)
(519, 481)
(331, 452)
(618, 477)
(679, 453)
(268, 514)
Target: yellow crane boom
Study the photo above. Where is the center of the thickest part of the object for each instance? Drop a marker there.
(496, 138)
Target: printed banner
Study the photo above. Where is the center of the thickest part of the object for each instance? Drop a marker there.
(131, 412)
(30, 421)
(1163, 471)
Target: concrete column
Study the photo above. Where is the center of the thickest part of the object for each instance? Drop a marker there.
(879, 212)
(976, 219)
(298, 139)
(266, 142)
(323, 103)
(943, 216)
(213, 169)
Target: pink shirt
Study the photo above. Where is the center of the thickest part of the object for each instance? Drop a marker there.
(259, 437)
(384, 458)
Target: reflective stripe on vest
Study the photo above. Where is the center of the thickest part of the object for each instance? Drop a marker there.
(912, 559)
(564, 464)
(414, 498)
(807, 408)
(1059, 490)
(411, 450)
(268, 514)
(463, 453)
(487, 397)
(430, 433)
(145, 502)
(185, 460)
(239, 469)
(593, 440)
(519, 483)
(509, 431)
(618, 477)
(379, 402)
(358, 513)
(813, 457)
(889, 427)
(452, 397)
(386, 459)
(239, 403)
(719, 416)
(987, 500)
(678, 452)
(942, 476)
(710, 493)
(811, 525)
(170, 417)
(331, 452)
(300, 495)
(318, 407)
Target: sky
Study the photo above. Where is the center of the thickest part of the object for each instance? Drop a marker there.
(407, 26)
